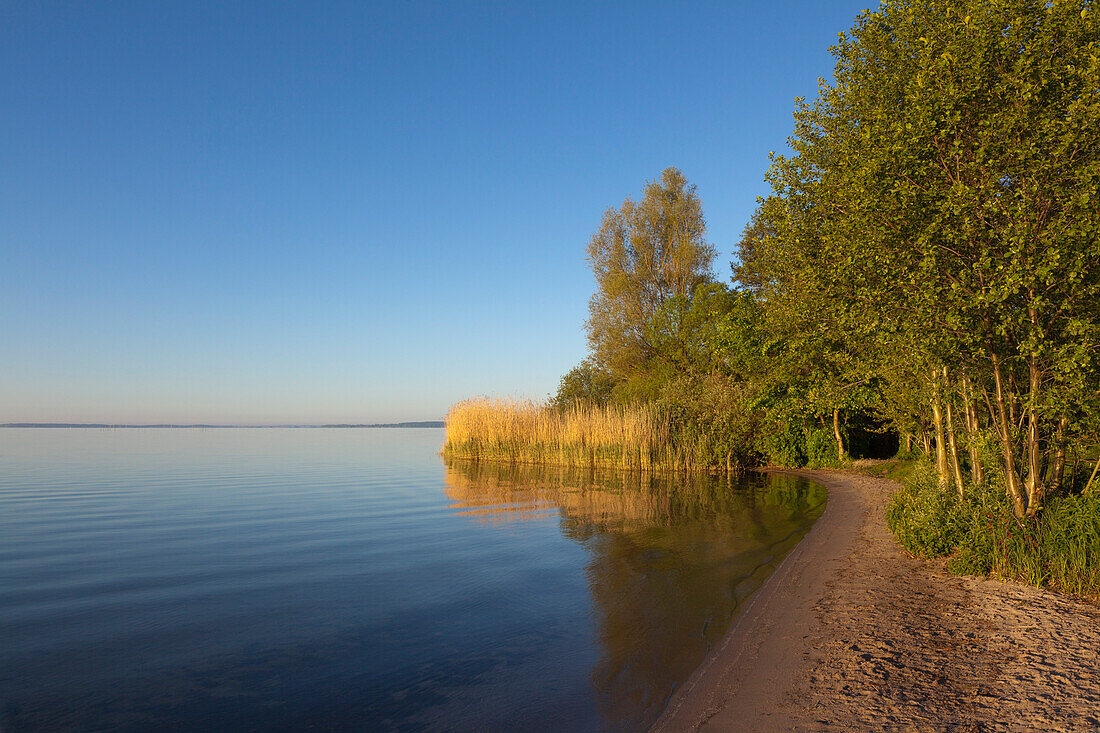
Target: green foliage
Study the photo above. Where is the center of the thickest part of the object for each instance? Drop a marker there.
(716, 331)
(939, 211)
(1059, 548)
(928, 521)
(647, 258)
(585, 382)
(795, 445)
(783, 445)
(1070, 529)
(821, 448)
(710, 417)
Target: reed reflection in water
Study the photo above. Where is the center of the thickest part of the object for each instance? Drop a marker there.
(670, 559)
(326, 579)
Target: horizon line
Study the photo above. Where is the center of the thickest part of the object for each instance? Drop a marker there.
(405, 424)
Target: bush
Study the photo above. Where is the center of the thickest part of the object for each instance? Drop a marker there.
(1059, 548)
(821, 449)
(785, 446)
(711, 421)
(795, 445)
(928, 521)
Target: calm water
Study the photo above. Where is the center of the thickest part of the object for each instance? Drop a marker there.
(275, 579)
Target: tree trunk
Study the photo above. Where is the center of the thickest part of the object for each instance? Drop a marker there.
(908, 443)
(937, 425)
(925, 440)
(842, 452)
(1088, 486)
(1058, 462)
(956, 467)
(977, 471)
(1011, 399)
(1012, 480)
(1034, 483)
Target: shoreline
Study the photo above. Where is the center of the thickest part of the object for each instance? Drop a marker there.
(851, 632)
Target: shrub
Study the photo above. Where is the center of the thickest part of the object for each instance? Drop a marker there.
(821, 450)
(1059, 548)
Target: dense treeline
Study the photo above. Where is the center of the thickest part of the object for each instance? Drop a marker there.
(926, 270)
(940, 208)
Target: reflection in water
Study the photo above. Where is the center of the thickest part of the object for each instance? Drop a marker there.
(275, 579)
(670, 559)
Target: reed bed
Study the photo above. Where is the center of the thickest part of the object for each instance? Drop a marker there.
(635, 437)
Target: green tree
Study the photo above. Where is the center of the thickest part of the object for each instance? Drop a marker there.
(647, 257)
(819, 351)
(945, 187)
(585, 382)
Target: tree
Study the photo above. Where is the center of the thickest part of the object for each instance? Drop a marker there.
(647, 258)
(946, 187)
(586, 383)
(820, 352)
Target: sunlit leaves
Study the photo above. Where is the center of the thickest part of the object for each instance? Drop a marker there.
(944, 197)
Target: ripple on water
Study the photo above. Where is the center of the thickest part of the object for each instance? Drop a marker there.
(284, 578)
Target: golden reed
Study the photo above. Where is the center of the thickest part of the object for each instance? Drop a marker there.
(525, 431)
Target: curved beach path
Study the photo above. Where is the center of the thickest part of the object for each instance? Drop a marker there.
(851, 633)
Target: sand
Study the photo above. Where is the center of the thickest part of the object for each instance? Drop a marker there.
(852, 633)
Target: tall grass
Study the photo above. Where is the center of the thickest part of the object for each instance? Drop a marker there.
(1060, 548)
(636, 437)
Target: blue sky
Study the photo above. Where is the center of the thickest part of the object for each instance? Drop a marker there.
(313, 212)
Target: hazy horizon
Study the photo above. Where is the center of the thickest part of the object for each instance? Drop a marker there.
(103, 424)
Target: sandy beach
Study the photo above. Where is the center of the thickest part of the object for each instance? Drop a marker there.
(851, 633)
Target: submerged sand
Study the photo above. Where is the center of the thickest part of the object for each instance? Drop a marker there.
(852, 633)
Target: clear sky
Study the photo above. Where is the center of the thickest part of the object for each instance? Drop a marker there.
(350, 211)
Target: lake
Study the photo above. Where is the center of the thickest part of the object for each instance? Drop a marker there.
(350, 579)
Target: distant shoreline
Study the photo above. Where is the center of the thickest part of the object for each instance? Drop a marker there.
(415, 424)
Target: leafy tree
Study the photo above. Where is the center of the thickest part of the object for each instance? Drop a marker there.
(818, 364)
(648, 257)
(715, 331)
(945, 188)
(585, 382)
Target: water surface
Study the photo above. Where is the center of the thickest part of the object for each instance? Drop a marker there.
(278, 579)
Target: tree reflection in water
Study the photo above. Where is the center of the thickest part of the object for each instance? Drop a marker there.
(670, 559)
